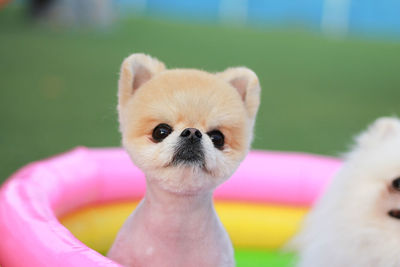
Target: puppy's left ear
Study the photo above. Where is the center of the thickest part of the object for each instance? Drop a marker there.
(246, 83)
(384, 128)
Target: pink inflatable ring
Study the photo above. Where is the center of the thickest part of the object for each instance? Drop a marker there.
(33, 199)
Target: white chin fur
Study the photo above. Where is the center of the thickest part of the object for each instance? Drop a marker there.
(182, 179)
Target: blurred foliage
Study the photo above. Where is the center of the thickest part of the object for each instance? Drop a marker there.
(58, 87)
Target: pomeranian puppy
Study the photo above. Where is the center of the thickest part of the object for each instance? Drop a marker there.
(188, 131)
(357, 220)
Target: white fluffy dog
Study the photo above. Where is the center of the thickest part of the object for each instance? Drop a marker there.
(357, 220)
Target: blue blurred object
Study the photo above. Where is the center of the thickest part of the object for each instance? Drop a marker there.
(304, 12)
(375, 16)
(337, 17)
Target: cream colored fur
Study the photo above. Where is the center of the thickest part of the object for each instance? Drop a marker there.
(350, 225)
(176, 224)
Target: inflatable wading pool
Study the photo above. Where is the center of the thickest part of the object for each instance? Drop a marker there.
(66, 210)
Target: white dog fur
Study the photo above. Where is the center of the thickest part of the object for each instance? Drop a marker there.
(350, 224)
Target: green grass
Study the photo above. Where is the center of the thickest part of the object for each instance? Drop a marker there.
(258, 258)
(58, 88)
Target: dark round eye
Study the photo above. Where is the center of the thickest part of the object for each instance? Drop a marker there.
(396, 183)
(161, 131)
(394, 213)
(217, 138)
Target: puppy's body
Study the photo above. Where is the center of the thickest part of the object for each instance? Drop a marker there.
(171, 230)
(351, 225)
(188, 130)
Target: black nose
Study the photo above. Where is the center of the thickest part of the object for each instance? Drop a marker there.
(191, 133)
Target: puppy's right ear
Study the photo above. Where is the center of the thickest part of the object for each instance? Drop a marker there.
(136, 70)
(379, 131)
(246, 83)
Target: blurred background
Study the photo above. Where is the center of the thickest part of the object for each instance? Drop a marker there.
(327, 67)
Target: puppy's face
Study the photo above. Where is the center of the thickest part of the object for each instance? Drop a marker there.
(373, 171)
(188, 130)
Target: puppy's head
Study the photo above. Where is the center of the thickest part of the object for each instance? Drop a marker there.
(375, 167)
(360, 210)
(188, 130)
